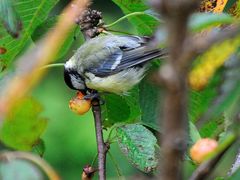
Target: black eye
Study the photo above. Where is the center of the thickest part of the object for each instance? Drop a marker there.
(67, 78)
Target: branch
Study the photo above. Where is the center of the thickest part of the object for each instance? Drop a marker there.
(174, 122)
(89, 23)
(101, 147)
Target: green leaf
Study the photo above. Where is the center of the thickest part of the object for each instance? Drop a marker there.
(39, 148)
(212, 127)
(200, 101)
(47, 25)
(19, 169)
(150, 104)
(32, 13)
(139, 145)
(188, 168)
(145, 24)
(229, 5)
(23, 126)
(235, 175)
(10, 18)
(120, 109)
(193, 132)
(200, 21)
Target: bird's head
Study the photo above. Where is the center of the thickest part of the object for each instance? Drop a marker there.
(72, 78)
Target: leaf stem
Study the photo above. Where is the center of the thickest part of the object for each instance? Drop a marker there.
(94, 160)
(52, 65)
(115, 164)
(123, 18)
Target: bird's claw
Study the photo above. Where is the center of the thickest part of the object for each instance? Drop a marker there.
(94, 95)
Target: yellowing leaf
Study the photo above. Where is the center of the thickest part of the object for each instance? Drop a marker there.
(207, 5)
(215, 6)
(220, 6)
(235, 9)
(210, 61)
(23, 126)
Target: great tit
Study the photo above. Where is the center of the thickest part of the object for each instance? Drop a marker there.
(110, 63)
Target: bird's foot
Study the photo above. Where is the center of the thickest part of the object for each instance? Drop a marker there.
(94, 95)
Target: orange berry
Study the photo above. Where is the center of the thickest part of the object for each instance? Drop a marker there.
(202, 148)
(79, 105)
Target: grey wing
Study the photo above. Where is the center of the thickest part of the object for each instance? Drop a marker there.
(125, 57)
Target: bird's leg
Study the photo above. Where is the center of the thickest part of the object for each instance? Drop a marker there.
(92, 94)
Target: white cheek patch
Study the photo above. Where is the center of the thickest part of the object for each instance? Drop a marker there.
(77, 83)
(70, 63)
(117, 62)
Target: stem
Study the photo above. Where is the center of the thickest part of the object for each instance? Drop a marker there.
(34, 159)
(122, 32)
(115, 164)
(100, 142)
(175, 122)
(94, 160)
(123, 18)
(174, 74)
(52, 65)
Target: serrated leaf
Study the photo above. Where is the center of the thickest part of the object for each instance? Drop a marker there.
(139, 145)
(23, 126)
(200, 21)
(44, 27)
(120, 109)
(10, 18)
(19, 169)
(150, 104)
(32, 13)
(145, 24)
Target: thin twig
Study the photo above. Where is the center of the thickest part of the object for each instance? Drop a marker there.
(115, 164)
(123, 18)
(87, 22)
(34, 159)
(52, 66)
(101, 147)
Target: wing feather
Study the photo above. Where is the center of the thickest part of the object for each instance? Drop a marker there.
(124, 57)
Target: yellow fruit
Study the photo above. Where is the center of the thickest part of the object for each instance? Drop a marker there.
(202, 148)
(79, 105)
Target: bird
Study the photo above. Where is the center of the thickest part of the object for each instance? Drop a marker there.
(110, 63)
